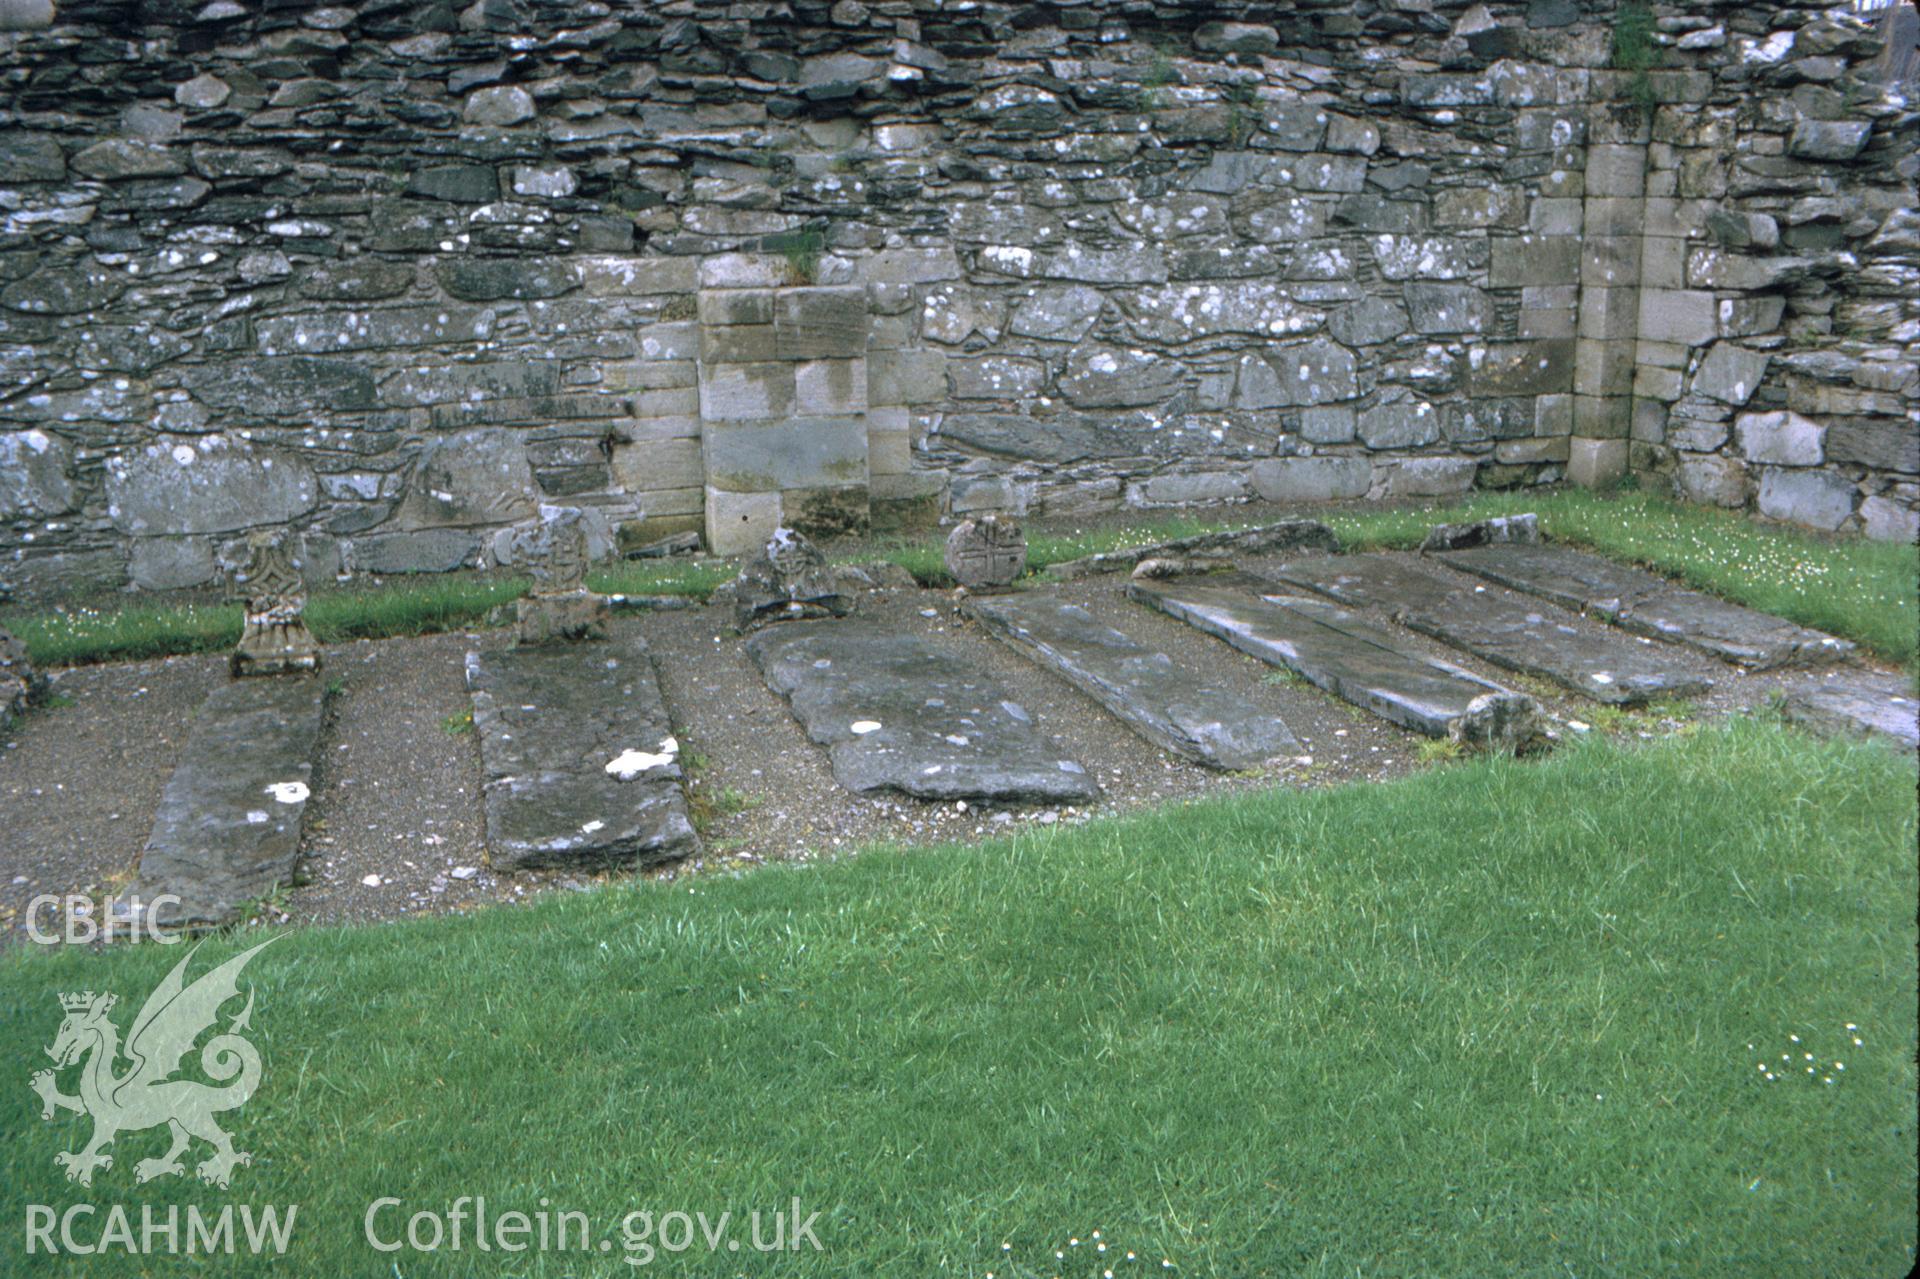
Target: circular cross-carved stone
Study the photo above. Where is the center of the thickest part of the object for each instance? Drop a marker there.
(986, 553)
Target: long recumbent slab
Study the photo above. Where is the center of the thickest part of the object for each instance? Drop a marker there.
(582, 768)
(1348, 656)
(228, 828)
(1172, 707)
(1647, 605)
(1530, 637)
(898, 712)
(1864, 703)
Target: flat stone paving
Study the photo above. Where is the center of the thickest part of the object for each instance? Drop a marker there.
(1647, 605)
(1174, 707)
(1860, 702)
(227, 831)
(1535, 640)
(581, 765)
(1346, 655)
(899, 712)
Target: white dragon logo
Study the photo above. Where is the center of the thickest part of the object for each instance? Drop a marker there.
(144, 1096)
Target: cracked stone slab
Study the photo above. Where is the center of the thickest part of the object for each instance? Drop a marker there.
(1648, 605)
(898, 712)
(1347, 656)
(1541, 640)
(1174, 708)
(228, 828)
(582, 768)
(1857, 703)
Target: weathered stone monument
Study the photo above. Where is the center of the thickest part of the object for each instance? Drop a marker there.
(787, 581)
(986, 553)
(228, 828)
(901, 712)
(1168, 703)
(559, 607)
(275, 639)
(1349, 656)
(20, 684)
(1501, 528)
(581, 763)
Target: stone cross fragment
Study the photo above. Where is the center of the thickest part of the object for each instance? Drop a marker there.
(789, 580)
(274, 639)
(554, 553)
(986, 553)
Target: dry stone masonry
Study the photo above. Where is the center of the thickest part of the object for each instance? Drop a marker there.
(391, 275)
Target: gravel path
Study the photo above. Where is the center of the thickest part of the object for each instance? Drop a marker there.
(395, 825)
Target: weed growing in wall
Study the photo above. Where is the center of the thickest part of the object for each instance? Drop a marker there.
(1634, 51)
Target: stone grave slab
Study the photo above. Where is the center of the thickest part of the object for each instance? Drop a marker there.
(228, 828)
(1857, 703)
(1346, 655)
(582, 767)
(1647, 605)
(1535, 640)
(898, 712)
(1268, 539)
(1172, 707)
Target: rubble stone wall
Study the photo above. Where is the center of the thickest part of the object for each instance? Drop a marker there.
(397, 273)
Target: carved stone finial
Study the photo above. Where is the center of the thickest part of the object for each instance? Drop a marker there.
(275, 638)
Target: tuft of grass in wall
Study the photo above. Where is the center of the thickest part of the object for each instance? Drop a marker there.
(803, 250)
(1243, 115)
(1635, 52)
(1160, 71)
(1159, 75)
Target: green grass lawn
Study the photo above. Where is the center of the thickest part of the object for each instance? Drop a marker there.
(416, 605)
(1863, 591)
(1501, 1018)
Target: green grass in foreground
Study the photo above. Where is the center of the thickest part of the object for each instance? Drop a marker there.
(1497, 1019)
(1863, 591)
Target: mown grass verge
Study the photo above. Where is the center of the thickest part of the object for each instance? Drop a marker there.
(395, 606)
(1864, 591)
(1497, 1018)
